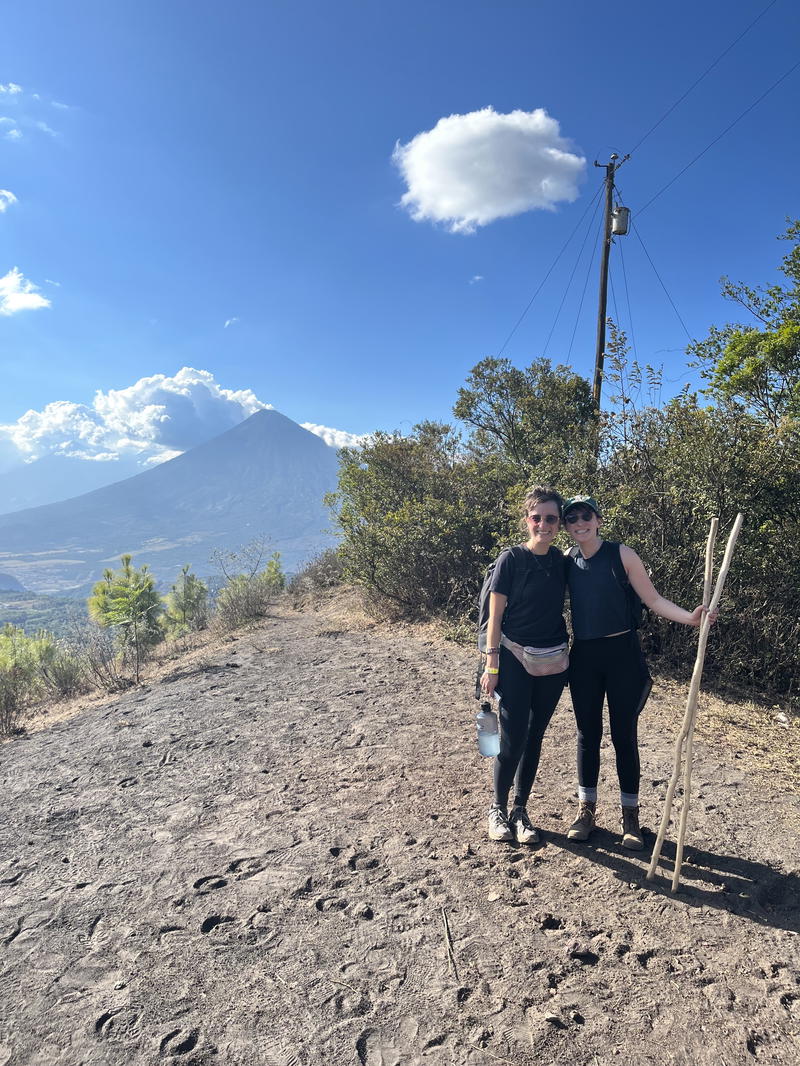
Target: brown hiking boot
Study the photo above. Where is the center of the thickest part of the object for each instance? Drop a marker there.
(631, 833)
(584, 823)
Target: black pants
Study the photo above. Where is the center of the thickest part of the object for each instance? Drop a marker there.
(526, 707)
(612, 668)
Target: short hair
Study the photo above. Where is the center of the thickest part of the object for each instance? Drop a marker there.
(541, 494)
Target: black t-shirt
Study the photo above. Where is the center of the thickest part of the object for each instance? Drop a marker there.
(534, 613)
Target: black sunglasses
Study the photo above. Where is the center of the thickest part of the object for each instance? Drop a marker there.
(579, 516)
(550, 519)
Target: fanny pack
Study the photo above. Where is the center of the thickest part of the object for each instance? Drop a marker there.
(538, 662)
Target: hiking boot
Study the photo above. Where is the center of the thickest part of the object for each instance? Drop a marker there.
(522, 827)
(584, 823)
(631, 833)
(499, 829)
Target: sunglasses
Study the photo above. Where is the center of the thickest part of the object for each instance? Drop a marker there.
(579, 516)
(550, 519)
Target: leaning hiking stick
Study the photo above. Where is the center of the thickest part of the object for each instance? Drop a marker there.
(687, 773)
(691, 704)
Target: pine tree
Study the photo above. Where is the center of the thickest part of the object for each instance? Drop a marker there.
(127, 601)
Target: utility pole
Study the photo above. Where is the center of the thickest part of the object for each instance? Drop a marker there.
(610, 167)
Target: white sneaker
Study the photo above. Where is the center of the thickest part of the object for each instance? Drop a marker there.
(522, 827)
(499, 829)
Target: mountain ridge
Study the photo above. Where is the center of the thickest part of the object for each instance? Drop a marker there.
(266, 476)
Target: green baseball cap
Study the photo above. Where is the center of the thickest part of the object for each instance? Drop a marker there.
(582, 501)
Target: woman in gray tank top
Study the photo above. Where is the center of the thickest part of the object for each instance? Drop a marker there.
(606, 661)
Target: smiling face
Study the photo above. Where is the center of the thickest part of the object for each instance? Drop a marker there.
(543, 521)
(583, 525)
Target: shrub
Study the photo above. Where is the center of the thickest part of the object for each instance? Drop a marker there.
(21, 683)
(250, 590)
(63, 672)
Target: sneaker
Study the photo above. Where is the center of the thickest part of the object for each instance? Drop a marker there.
(522, 827)
(499, 829)
(584, 823)
(631, 833)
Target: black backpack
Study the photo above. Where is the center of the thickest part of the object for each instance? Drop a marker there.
(520, 574)
(636, 609)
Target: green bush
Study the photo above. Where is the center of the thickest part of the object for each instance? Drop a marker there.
(21, 680)
(247, 596)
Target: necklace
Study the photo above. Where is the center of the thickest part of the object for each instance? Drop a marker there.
(546, 570)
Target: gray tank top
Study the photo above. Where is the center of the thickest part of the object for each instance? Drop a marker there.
(598, 601)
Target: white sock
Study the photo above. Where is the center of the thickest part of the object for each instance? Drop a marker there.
(629, 799)
(587, 795)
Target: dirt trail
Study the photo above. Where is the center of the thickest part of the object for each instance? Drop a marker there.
(250, 862)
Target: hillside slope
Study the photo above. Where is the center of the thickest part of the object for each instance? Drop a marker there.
(250, 862)
(267, 476)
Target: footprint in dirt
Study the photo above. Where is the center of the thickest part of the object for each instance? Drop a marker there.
(214, 921)
(246, 867)
(117, 1022)
(204, 885)
(178, 1042)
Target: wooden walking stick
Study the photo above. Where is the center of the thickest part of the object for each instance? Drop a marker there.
(691, 703)
(687, 773)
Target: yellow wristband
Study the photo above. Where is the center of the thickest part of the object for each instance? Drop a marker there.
(492, 670)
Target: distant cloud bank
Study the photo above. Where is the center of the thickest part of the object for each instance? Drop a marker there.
(336, 438)
(473, 169)
(153, 420)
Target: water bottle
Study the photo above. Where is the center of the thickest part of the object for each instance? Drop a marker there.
(488, 731)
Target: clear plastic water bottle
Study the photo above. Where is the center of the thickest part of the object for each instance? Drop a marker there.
(488, 729)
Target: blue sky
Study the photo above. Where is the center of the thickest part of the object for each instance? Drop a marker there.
(179, 165)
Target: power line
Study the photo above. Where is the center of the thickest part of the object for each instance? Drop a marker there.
(719, 137)
(549, 272)
(572, 275)
(663, 286)
(585, 283)
(614, 299)
(628, 298)
(705, 73)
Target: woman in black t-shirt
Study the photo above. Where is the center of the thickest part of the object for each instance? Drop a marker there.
(606, 661)
(525, 658)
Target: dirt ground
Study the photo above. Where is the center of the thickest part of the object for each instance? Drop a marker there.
(275, 853)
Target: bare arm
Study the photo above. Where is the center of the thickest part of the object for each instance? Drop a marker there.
(497, 606)
(651, 598)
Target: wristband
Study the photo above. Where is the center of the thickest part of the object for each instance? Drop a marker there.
(489, 670)
(492, 651)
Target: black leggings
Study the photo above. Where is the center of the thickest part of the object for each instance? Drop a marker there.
(611, 667)
(526, 707)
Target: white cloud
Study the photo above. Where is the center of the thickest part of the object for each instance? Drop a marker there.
(13, 135)
(10, 89)
(472, 169)
(336, 438)
(475, 279)
(152, 420)
(230, 322)
(49, 281)
(60, 106)
(19, 294)
(7, 198)
(46, 129)
(6, 121)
